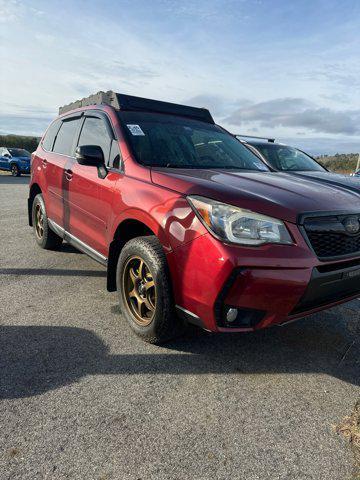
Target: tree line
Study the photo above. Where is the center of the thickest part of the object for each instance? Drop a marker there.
(19, 141)
(340, 162)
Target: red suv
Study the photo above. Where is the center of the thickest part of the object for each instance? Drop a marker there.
(190, 224)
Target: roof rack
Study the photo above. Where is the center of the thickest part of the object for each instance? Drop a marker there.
(271, 140)
(120, 101)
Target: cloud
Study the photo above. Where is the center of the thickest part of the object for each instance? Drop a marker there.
(218, 10)
(322, 145)
(13, 10)
(297, 113)
(9, 10)
(25, 123)
(337, 73)
(218, 105)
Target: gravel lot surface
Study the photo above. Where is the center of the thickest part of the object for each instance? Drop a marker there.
(82, 398)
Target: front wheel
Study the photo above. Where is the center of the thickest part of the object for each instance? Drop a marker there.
(144, 288)
(15, 172)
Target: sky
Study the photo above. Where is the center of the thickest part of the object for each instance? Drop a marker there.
(283, 69)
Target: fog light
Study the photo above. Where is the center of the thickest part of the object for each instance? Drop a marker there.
(231, 315)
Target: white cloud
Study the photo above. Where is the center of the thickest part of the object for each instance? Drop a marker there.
(297, 112)
(10, 10)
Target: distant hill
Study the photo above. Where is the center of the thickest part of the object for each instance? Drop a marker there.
(340, 162)
(19, 141)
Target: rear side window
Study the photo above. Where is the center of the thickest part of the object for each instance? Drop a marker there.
(65, 139)
(94, 132)
(48, 140)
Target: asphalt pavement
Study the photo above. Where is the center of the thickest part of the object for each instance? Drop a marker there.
(81, 397)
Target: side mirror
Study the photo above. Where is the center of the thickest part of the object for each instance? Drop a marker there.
(90, 155)
(7, 155)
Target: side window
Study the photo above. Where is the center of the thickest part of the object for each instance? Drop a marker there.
(115, 156)
(94, 132)
(65, 139)
(48, 140)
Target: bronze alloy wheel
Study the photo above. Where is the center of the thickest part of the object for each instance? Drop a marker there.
(39, 221)
(139, 290)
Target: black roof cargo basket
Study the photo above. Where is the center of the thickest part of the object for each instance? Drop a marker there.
(271, 140)
(131, 103)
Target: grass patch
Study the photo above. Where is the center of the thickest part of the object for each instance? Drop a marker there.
(349, 428)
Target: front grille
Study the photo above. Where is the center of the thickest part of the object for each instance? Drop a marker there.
(334, 245)
(330, 238)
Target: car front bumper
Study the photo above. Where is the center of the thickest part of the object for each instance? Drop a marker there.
(267, 285)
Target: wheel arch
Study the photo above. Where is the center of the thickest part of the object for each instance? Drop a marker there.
(126, 230)
(34, 190)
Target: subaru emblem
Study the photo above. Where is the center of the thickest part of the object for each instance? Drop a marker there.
(352, 225)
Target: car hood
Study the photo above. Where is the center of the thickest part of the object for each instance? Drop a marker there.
(279, 195)
(343, 181)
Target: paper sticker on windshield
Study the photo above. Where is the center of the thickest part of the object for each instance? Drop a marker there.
(260, 166)
(136, 130)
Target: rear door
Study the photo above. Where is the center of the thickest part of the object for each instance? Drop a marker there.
(91, 193)
(55, 163)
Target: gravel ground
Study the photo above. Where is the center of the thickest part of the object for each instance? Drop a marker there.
(82, 398)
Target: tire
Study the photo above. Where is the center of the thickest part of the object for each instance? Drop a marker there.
(15, 172)
(44, 236)
(158, 325)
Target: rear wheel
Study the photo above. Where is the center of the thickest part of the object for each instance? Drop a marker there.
(144, 288)
(15, 172)
(44, 236)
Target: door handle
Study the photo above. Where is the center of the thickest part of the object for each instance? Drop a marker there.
(68, 174)
(44, 162)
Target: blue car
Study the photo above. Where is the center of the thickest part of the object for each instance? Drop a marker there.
(15, 160)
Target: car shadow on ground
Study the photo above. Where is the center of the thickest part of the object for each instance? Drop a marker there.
(10, 180)
(36, 359)
(56, 272)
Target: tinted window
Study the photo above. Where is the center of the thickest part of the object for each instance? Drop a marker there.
(19, 152)
(94, 132)
(115, 156)
(64, 142)
(48, 140)
(169, 141)
(285, 158)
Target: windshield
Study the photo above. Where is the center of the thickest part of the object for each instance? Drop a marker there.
(282, 157)
(168, 141)
(19, 152)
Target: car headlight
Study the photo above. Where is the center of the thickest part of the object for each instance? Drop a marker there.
(236, 225)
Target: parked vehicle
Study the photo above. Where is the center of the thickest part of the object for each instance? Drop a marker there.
(191, 225)
(283, 158)
(15, 160)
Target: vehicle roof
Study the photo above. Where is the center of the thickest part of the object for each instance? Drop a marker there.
(257, 141)
(13, 148)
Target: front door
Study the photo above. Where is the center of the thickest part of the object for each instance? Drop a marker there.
(91, 193)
